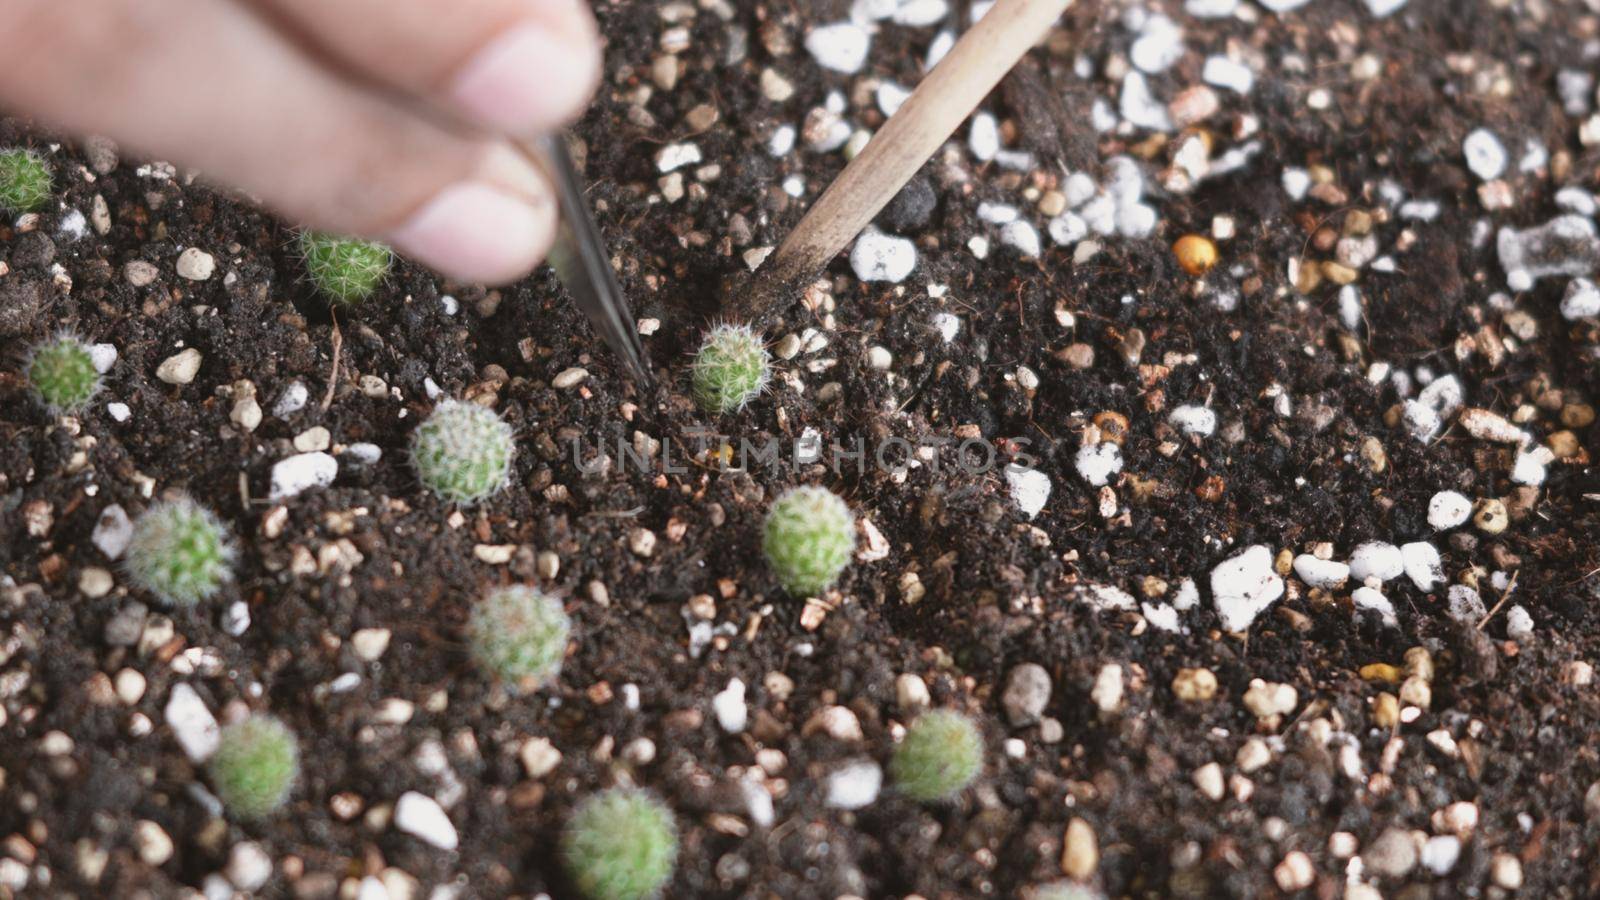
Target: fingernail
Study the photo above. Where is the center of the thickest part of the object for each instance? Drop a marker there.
(527, 80)
(475, 232)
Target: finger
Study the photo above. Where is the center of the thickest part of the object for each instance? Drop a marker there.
(209, 84)
(518, 67)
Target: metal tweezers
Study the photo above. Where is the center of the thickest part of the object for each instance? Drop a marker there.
(580, 259)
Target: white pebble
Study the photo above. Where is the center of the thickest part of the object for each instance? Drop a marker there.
(1096, 463)
(249, 866)
(1519, 624)
(1068, 228)
(1486, 156)
(1211, 9)
(112, 531)
(782, 140)
(983, 138)
(921, 13)
(1159, 45)
(1440, 853)
(73, 226)
(1423, 565)
(729, 705)
(1296, 182)
(1530, 466)
(948, 325)
(1321, 573)
(196, 264)
(1225, 72)
(1373, 599)
(1140, 107)
(192, 723)
(236, 618)
(841, 46)
(421, 817)
(1243, 586)
(1448, 509)
(1581, 301)
(301, 472)
(1030, 488)
(855, 785)
(119, 411)
(179, 368)
(1022, 237)
(674, 156)
(103, 357)
(1195, 420)
(1283, 6)
(1465, 605)
(891, 96)
(1376, 559)
(882, 257)
(292, 400)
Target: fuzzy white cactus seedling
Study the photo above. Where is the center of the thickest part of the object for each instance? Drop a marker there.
(808, 538)
(180, 552)
(463, 452)
(62, 373)
(621, 844)
(520, 635)
(731, 368)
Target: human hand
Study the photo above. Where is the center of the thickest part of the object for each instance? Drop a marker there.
(388, 119)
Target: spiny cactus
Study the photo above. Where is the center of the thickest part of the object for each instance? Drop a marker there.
(255, 766)
(463, 451)
(730, 369)
(345, 270)
(24, 180)
(63, 374)
(520, 635)
(179, 552)
(808, 538)
(620, 844)
(941, 754)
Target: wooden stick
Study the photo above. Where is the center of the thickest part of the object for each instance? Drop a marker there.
(912, 135)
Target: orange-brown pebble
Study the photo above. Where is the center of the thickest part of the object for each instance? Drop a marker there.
(1196, 254)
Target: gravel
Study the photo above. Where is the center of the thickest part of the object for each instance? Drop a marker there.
(1026, 695)
(1243, 586)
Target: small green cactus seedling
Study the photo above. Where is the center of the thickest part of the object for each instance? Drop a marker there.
(255, 766)
(520, 635)
(620, 844)
(808, 538)
(24, 180)
(731, 368)
(179, 552)
(345, 270)
(63, 374)
(463, 451)
(941, 754)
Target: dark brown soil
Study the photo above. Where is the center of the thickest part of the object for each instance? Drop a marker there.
(375, 551)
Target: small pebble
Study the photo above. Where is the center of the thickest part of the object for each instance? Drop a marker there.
(1026, 695)
(1448, 509)
(840, 47)
(1486, 156)
(302, 472)
(855, 785)
(881, 257)
(180, 368)
(196, 264)
(421, 817)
